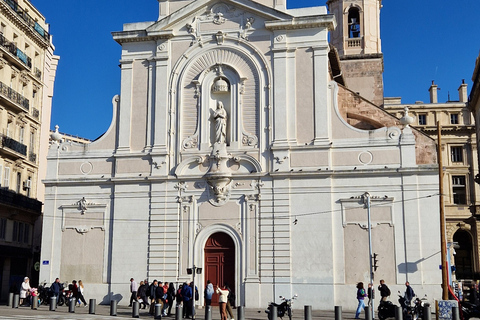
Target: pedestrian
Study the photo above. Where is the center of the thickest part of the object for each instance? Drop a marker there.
(222, 301)
(409, 294)
(384, 290)
(74, 291)
(25, 291)
(142, 294)
(179, 297)
(80, 297)
(370, 294)
(170, 297)
(153, 289)
(133, 290)
(208, 293)
(187, 300)
(165, 299)
(230, 301)
(361, 294)
(55, 289)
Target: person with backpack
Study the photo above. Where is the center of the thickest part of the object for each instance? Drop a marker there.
(361, 295)
(384, 290)
(409, 294)
(208, 293)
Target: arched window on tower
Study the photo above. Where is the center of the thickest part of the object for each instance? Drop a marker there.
(354, 23)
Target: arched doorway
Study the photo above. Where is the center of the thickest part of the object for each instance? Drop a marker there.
(220, 261)
(463, 255)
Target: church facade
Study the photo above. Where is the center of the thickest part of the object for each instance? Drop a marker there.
(236, 147)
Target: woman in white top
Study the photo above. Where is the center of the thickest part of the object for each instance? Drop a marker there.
(80, 297)
(24, 291)
(222, 301)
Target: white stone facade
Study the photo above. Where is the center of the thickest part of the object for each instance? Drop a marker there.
(282, 176)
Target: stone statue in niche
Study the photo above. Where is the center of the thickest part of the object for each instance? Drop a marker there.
(220, 118)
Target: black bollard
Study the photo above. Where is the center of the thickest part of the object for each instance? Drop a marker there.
(338, 312)
(240, 313)
(135, 309)
(398, 313)
(53, 304)
(16, 301)
(10, 299)
(158, 311)
(273, 312)
(368, 313)
(179, 312)
(208, 312)
(91, 306)
(307, 311)
(455, 314)
(71, 305)
(427, 314)
(34, 303)
(113, 308)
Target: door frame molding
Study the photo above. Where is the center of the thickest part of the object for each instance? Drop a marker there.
(199, 257)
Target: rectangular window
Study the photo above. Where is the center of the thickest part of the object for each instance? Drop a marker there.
(459, 190)
(20, 231)
(19, 182)
(454, 118)
(22, 134)
(3, 228)
(26, 237)
(456, 153)
(6, 177)
(422, 119)
(15, 231)
(32, 141)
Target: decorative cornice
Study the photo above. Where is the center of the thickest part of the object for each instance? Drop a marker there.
(326, 21)
(141, 36)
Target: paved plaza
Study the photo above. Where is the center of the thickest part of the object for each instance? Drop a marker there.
(123, 312)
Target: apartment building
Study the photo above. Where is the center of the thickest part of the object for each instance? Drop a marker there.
(27, 73)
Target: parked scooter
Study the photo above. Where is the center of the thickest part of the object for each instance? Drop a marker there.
(283, 308)
(386, 309)
(470, 310)
(418, 306)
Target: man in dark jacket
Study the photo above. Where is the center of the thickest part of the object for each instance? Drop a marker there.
(187, 300)
(384, 291)
(409, 294)
(56, 287)
(153, 289)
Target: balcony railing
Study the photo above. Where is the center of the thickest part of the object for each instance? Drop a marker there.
(35, 113)
(32, 157)
(28, 19)
(14, 145)
(12, 48)
(16, 200)
(354, 43)
(14, 96)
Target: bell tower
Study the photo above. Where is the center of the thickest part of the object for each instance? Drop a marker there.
(357, 39)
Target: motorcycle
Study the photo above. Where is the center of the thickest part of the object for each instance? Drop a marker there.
(418, 306)
(283, 308)
(386, 309)
(44, 294)
(470, 310)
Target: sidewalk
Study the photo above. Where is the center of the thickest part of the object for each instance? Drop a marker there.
(102, 312)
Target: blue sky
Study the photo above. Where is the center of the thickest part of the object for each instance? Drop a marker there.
(422, 40)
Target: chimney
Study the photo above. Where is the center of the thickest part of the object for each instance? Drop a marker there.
(433, 93)
(462, 92)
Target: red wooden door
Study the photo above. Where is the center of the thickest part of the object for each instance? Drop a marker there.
(220, 262)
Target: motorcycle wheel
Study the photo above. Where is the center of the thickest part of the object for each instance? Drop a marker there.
(289, 314)
(61, 301)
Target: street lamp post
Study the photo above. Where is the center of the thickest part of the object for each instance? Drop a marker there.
(366, 201)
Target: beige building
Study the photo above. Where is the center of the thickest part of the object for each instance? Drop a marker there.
(459, 148)
(27, 72)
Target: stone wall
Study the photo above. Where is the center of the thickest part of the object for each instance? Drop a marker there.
(363, 114)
